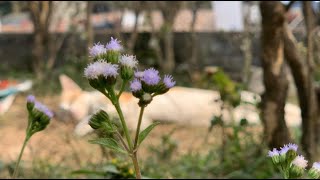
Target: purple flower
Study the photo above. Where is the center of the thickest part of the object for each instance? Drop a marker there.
(284, 150)
(274, 152)
(110, 70)
(42, 108)
(114, 44)
(316, 165)
(138, 74)
(168, 81)
(129, 61)
(100, 67)
(292, 146)
(135, 85)
(151, 76)
(288, 147)
(97, 49)
(31, 99)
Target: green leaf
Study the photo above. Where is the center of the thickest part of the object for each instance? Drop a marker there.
(109, 143)
(143, 134)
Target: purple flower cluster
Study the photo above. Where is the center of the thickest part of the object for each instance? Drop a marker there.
(39, 106)
(150, 77)
(98, 48)
(283, 150)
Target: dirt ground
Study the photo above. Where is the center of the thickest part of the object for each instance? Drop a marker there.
(58, 144)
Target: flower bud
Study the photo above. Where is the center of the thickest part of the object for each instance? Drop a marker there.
(101, 120)
(39, 116)
(145, 99)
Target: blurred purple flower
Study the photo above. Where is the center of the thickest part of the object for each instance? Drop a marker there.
(114, 44)
(100, 67)
(168, 81)
(97, 49)
(151, 76)
(129, 61)
(135, 85)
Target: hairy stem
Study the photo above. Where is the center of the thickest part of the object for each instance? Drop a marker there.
(15, 172)
(115, 102)
(124, 83)
(138, 127)
(136, 165)
(122, 141)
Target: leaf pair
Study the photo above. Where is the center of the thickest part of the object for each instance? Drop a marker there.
(114, 145)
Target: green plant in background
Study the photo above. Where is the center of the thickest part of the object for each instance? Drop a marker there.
(115, 169)
(39, 118)
(108, 68)
(292, 165)
(167, 147)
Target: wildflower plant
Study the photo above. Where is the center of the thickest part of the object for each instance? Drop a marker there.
(39, 118)
(292, 165)
(109, 66)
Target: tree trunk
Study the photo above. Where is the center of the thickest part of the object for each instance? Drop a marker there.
(274, 74)
(306, 93)
(193, 64)
(246, 48)
(89, 28)
(169, 64)
(40, 16)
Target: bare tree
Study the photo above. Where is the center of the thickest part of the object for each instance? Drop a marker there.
(246, 46)
(47, 44)
(274, 73)
(89, 29)
(193, 50)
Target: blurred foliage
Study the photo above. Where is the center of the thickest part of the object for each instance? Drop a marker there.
(228, 89)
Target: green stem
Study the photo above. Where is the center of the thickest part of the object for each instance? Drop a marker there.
(15, 172)
(115, 102)
(136, 165)
(122, 88)
(138, 127)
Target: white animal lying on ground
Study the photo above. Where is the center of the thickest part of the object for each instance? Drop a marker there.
(188, 106)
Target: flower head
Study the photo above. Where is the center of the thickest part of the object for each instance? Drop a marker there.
(300, 162)
(138, 74)
(316, 165)
(97, 49)
(114, 44)
(31, 99)
(151, 76)
(135, 85)
(100, 68)
(129, 61)
(42, 108)
(110, 70)
(168, 81)
(274, 152)
(292, 146)
(288, 147)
